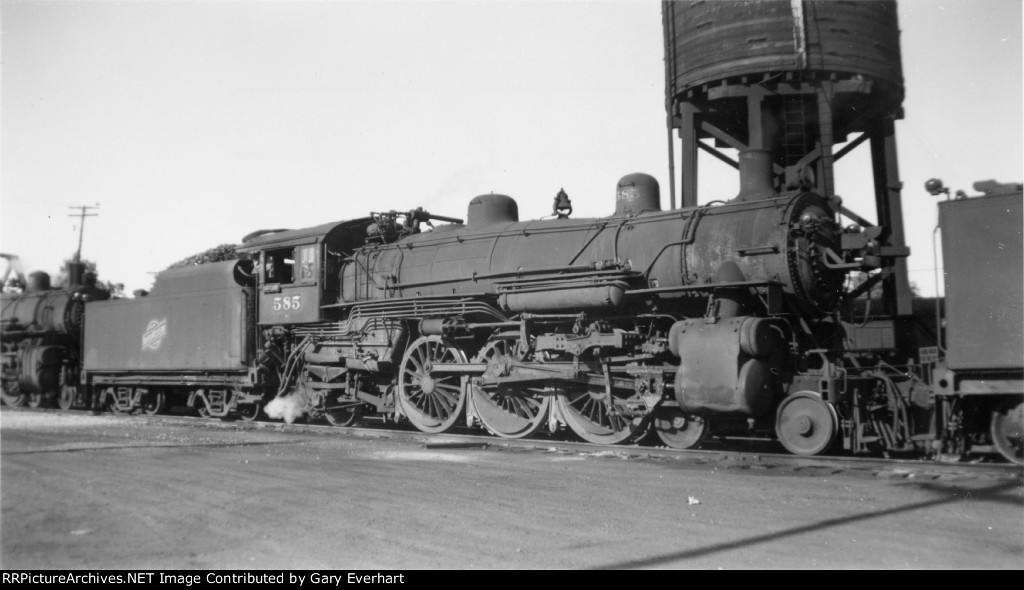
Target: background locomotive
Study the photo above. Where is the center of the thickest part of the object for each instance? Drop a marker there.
(42, 330)
(731, 316)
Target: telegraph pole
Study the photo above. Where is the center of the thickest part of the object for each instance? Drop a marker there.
(81, 215)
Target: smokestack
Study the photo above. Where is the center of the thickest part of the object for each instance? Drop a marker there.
(756, 175)
(75, 272)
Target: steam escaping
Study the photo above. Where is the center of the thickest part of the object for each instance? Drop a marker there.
(287, 407)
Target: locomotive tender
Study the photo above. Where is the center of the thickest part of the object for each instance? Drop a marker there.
(189, 342)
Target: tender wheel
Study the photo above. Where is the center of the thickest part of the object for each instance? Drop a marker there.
(117, 408)
(805, 424)
(117, 402)
(153, 402)
(101, 402)
(344, 415)
(433, 402)
(598, 419)
(67, 397)
(249, 412)
(202, 409)
(508, 412)
(680, 430)
(1008, 431)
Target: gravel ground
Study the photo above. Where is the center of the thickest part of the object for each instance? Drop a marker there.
(82, 491)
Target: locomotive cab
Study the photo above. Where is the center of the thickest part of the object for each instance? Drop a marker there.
(297, 270)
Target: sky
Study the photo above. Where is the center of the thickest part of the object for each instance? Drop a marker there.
(192, 124)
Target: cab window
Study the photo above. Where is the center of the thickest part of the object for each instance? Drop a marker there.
(307, 264)
(278, 266)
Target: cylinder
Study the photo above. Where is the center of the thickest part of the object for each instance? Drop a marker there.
(40, 368)
(717, 374)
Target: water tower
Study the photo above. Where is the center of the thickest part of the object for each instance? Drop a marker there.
(789, 80)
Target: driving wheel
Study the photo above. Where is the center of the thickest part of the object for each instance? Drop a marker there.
(432, 400)
(508, 411)
(600, 418)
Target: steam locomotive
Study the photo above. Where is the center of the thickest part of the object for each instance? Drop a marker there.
(41, 339)
(730, 318)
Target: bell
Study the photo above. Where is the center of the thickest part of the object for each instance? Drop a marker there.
(563, 206)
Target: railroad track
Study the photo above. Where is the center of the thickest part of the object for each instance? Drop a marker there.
(744, 454)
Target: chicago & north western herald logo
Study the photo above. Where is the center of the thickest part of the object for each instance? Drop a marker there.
(154, 334)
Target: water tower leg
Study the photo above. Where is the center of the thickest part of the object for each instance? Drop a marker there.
(888, 201)
(689, 137)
